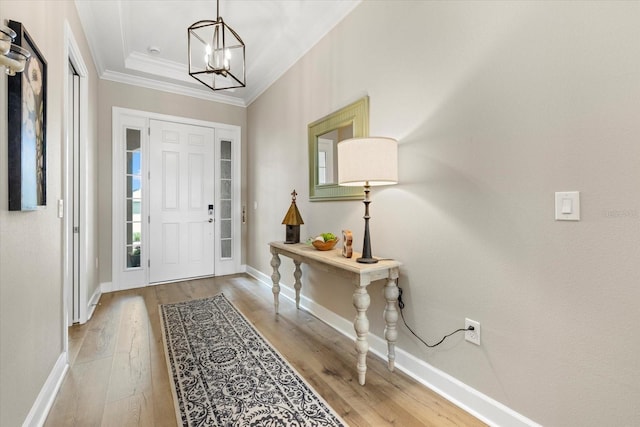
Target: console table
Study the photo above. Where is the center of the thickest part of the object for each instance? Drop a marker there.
(362, 275)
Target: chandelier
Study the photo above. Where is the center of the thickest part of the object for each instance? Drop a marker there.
(216, 54)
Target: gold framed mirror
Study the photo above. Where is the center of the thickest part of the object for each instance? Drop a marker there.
(351, 121)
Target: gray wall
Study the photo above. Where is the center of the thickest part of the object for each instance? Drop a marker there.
(31, 257)
(112, 94)
(496, 105)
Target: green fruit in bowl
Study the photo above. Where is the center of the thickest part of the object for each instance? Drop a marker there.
(328, 236)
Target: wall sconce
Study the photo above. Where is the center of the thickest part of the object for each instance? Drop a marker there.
(12, 57)
(366, 162)
(292, 220)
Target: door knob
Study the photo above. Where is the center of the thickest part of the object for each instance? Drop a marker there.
(210, 219)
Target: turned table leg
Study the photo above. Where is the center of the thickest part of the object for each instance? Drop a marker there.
(391, 317)
(297, 274)
(275, 278)
(361, 302)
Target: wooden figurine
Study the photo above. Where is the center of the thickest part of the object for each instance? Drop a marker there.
(347, 242)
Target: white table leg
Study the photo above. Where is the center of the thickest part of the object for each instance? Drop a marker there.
(361, 301)
(391, 317)
(275, 278)
(297, 274)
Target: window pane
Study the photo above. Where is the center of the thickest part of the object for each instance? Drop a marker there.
(133, 139)
(225, 251)
(225, 228)
(133, 256)
(129, 233)
(225, 169)
(136, 209)
(133, 163)
(133, 187)
(136, 234)
(225, 150)
(129, 210)
(225, 192)
(225, 209)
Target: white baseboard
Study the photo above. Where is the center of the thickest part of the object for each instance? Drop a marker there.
(41, 407)
(471, 400)
(93, 301)
(106, 287)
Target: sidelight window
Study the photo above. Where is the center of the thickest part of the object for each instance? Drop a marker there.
(226, 199)
(133, 195)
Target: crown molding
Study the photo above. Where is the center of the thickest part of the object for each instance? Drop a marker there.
(159, 67)
(171, 88)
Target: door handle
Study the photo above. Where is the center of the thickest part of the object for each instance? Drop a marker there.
(210, 219)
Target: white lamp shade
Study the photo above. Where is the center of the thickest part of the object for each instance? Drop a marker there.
(369, 160)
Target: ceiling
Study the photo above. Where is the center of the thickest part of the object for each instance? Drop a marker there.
(276, 34)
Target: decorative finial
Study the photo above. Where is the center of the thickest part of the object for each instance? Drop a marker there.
(294, 194)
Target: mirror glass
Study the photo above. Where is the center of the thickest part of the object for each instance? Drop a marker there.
(351, 121)
(327, 145)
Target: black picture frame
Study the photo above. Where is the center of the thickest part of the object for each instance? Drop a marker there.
(27, 126)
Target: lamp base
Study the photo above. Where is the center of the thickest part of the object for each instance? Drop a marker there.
(366, 257)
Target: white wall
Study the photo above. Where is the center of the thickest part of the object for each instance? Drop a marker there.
(496, 105)
(113, 94)
(31, 287)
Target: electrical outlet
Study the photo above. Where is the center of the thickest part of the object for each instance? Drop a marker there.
(472, 336)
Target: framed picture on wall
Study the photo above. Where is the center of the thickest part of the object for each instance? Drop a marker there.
(27, 125)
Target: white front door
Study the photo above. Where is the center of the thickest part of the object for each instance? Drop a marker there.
(181, 222)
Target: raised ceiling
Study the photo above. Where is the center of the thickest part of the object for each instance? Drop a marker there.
(123, 33)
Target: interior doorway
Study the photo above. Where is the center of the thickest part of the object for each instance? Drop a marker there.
(73, 126)
(73, 207)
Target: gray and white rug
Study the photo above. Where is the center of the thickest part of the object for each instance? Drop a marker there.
(225, 373)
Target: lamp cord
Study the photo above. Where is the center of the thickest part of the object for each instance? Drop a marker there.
(401, 305)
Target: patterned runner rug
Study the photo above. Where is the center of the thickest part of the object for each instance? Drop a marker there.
(225, 373)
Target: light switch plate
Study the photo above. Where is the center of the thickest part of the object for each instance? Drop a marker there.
(568, 206)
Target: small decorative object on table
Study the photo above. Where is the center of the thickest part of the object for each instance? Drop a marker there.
(325, 241)
(292, 220)
(347, 239)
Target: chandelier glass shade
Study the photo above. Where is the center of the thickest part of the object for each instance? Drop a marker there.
(216, 55)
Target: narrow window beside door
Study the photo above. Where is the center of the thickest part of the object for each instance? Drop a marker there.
(133, 196)
(225, 200)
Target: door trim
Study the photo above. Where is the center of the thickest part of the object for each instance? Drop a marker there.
(128, 279)
(72, 55)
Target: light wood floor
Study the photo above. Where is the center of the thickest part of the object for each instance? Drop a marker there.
(118, 375)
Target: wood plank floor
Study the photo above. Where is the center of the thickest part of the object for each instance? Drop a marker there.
(119, 377)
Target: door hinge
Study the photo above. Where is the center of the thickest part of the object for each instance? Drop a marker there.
(148, 263)
(76, 230)
(149, 219)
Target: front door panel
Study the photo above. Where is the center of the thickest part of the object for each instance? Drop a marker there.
(181, 189)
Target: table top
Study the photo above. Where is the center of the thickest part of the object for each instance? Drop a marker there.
(333, 258)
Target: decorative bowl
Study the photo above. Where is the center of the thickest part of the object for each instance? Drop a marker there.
(324, 246)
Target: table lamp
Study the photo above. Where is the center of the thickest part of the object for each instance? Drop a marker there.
(367, 162)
